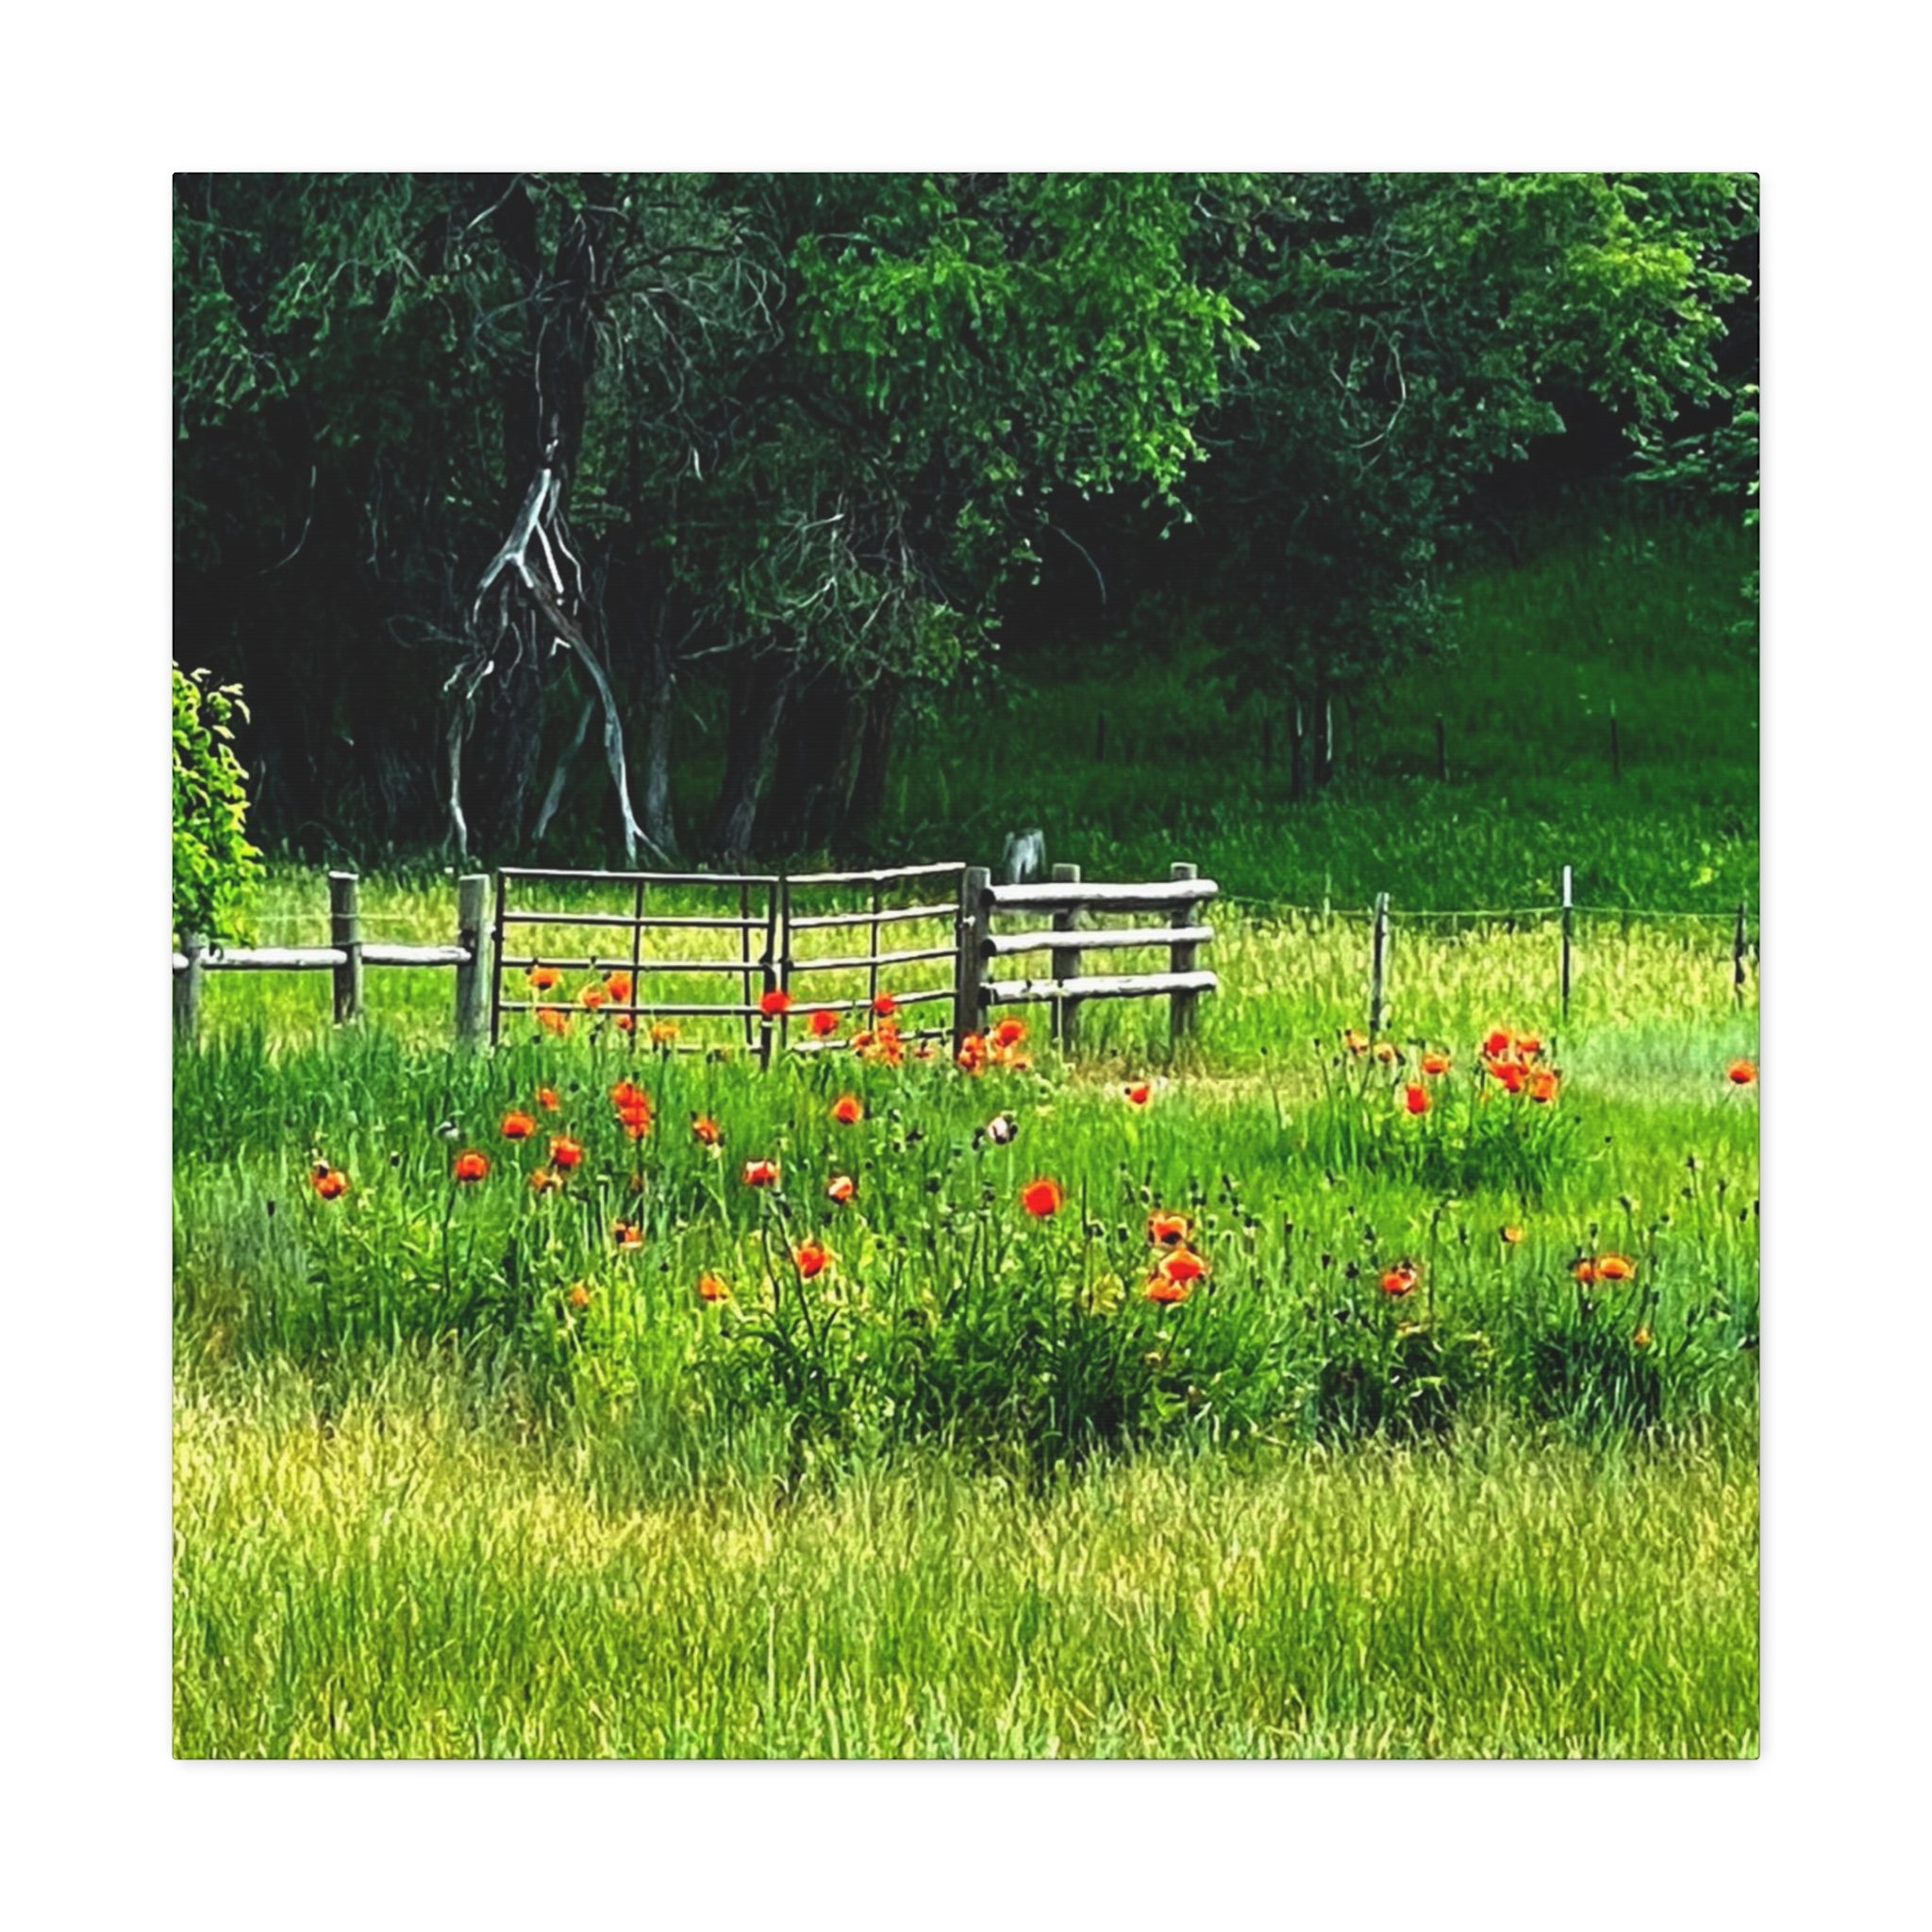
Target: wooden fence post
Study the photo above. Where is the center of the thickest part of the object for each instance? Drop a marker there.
(187, 987)
(1066, 962)
(1569, 936)
(473, 975)
(1378, 966)
(970, 971)
(1180, 958)
(1741, 941)
(345, 935)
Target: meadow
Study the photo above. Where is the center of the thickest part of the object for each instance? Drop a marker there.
(1305, 1390)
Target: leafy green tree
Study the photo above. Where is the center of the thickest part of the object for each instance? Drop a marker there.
(216, 869)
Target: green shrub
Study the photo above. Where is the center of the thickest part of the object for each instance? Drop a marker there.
(216, 869)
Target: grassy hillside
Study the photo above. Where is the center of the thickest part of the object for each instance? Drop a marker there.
(1642, 618)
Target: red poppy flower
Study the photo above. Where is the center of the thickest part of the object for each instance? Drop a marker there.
(1415, 1096)
(823, 1021)
(1497, 1044)
(1585, 1271)
(848, 1111)
(711, 1287)
(544, 978)
(1183, 1266)
(972, 1053)
(328, 1183)
(1159, 1289)
(773, 1003)
(1435, 1063)
(1399, 1279)
(706, 1130)
(1009, 1033)
(565, 1152)
(546, 1097)
(1528, 1045)
(553, 1020)
(628, 1236)
(1167, 1230)
(663, 1032)
(811, 1259)
(618, 987)
(1141, 1095)
(1740, 1073)
(885, 1006)
(762, 1173)
(592, 996)
(1512, 1073)
(471, 1166)
(1615, 1267)
(518, 1126)
(842, 1189)
(542, 1181)
(1042, 1198)
(1542, 1085)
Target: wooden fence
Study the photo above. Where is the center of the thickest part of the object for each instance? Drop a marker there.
(1069, 902)
(347, 955)
(775, 934)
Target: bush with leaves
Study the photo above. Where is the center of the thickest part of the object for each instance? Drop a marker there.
(216, 869)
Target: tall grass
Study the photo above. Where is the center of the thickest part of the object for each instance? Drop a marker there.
(402, 1575)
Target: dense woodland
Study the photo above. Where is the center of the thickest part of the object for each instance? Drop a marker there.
(588, 516)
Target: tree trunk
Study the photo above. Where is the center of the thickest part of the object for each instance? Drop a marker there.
(868, 796)
(818, 761)
(758, 709)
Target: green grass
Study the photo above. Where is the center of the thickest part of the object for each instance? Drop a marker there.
(418, 1571)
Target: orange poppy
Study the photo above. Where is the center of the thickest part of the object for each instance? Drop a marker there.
(627, 1094)
(1740, 1073)
(1615, 1267)
(579, 1296)
(842, 1189)
(471, 1166)
(1415, 1096)
(1159, 1289)
(554, 1020)
(623, 1022)
(762, 1173)
(711, 1287)
(543, 1181)
(773, 1003)
(544, 978)
(1542, 1085)
(636, 1119)
(1142, 1094)
(546, 1097)
(706, 1130)
(592, 996)
(823, 1022)
(1183, 1266)
(972, 1053)
(1167, 1230)
(618, 987)
(1528, 1045)
(811, 1259)
(565, 1152)
(1641, 1339)
(1512, 1073)
(1355, 1042)
(328, 1183)
(885, 1006)
(1009, 1033)
(848, 1111)
(1585, 1271)
(1511, 1234)
(1399, 1279)
(518, 1126)
(1042, 1198)
(1434, 1062)
(663, 1032)
(628, 1236)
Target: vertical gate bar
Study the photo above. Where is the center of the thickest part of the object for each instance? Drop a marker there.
(636, 958)
(784, 955)
(496, 964)
(768, 970)
(878, 905)
(744, 954)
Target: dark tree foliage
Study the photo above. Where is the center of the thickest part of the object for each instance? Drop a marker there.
(487, 485)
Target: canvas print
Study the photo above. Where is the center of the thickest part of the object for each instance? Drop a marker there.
(965, 965)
